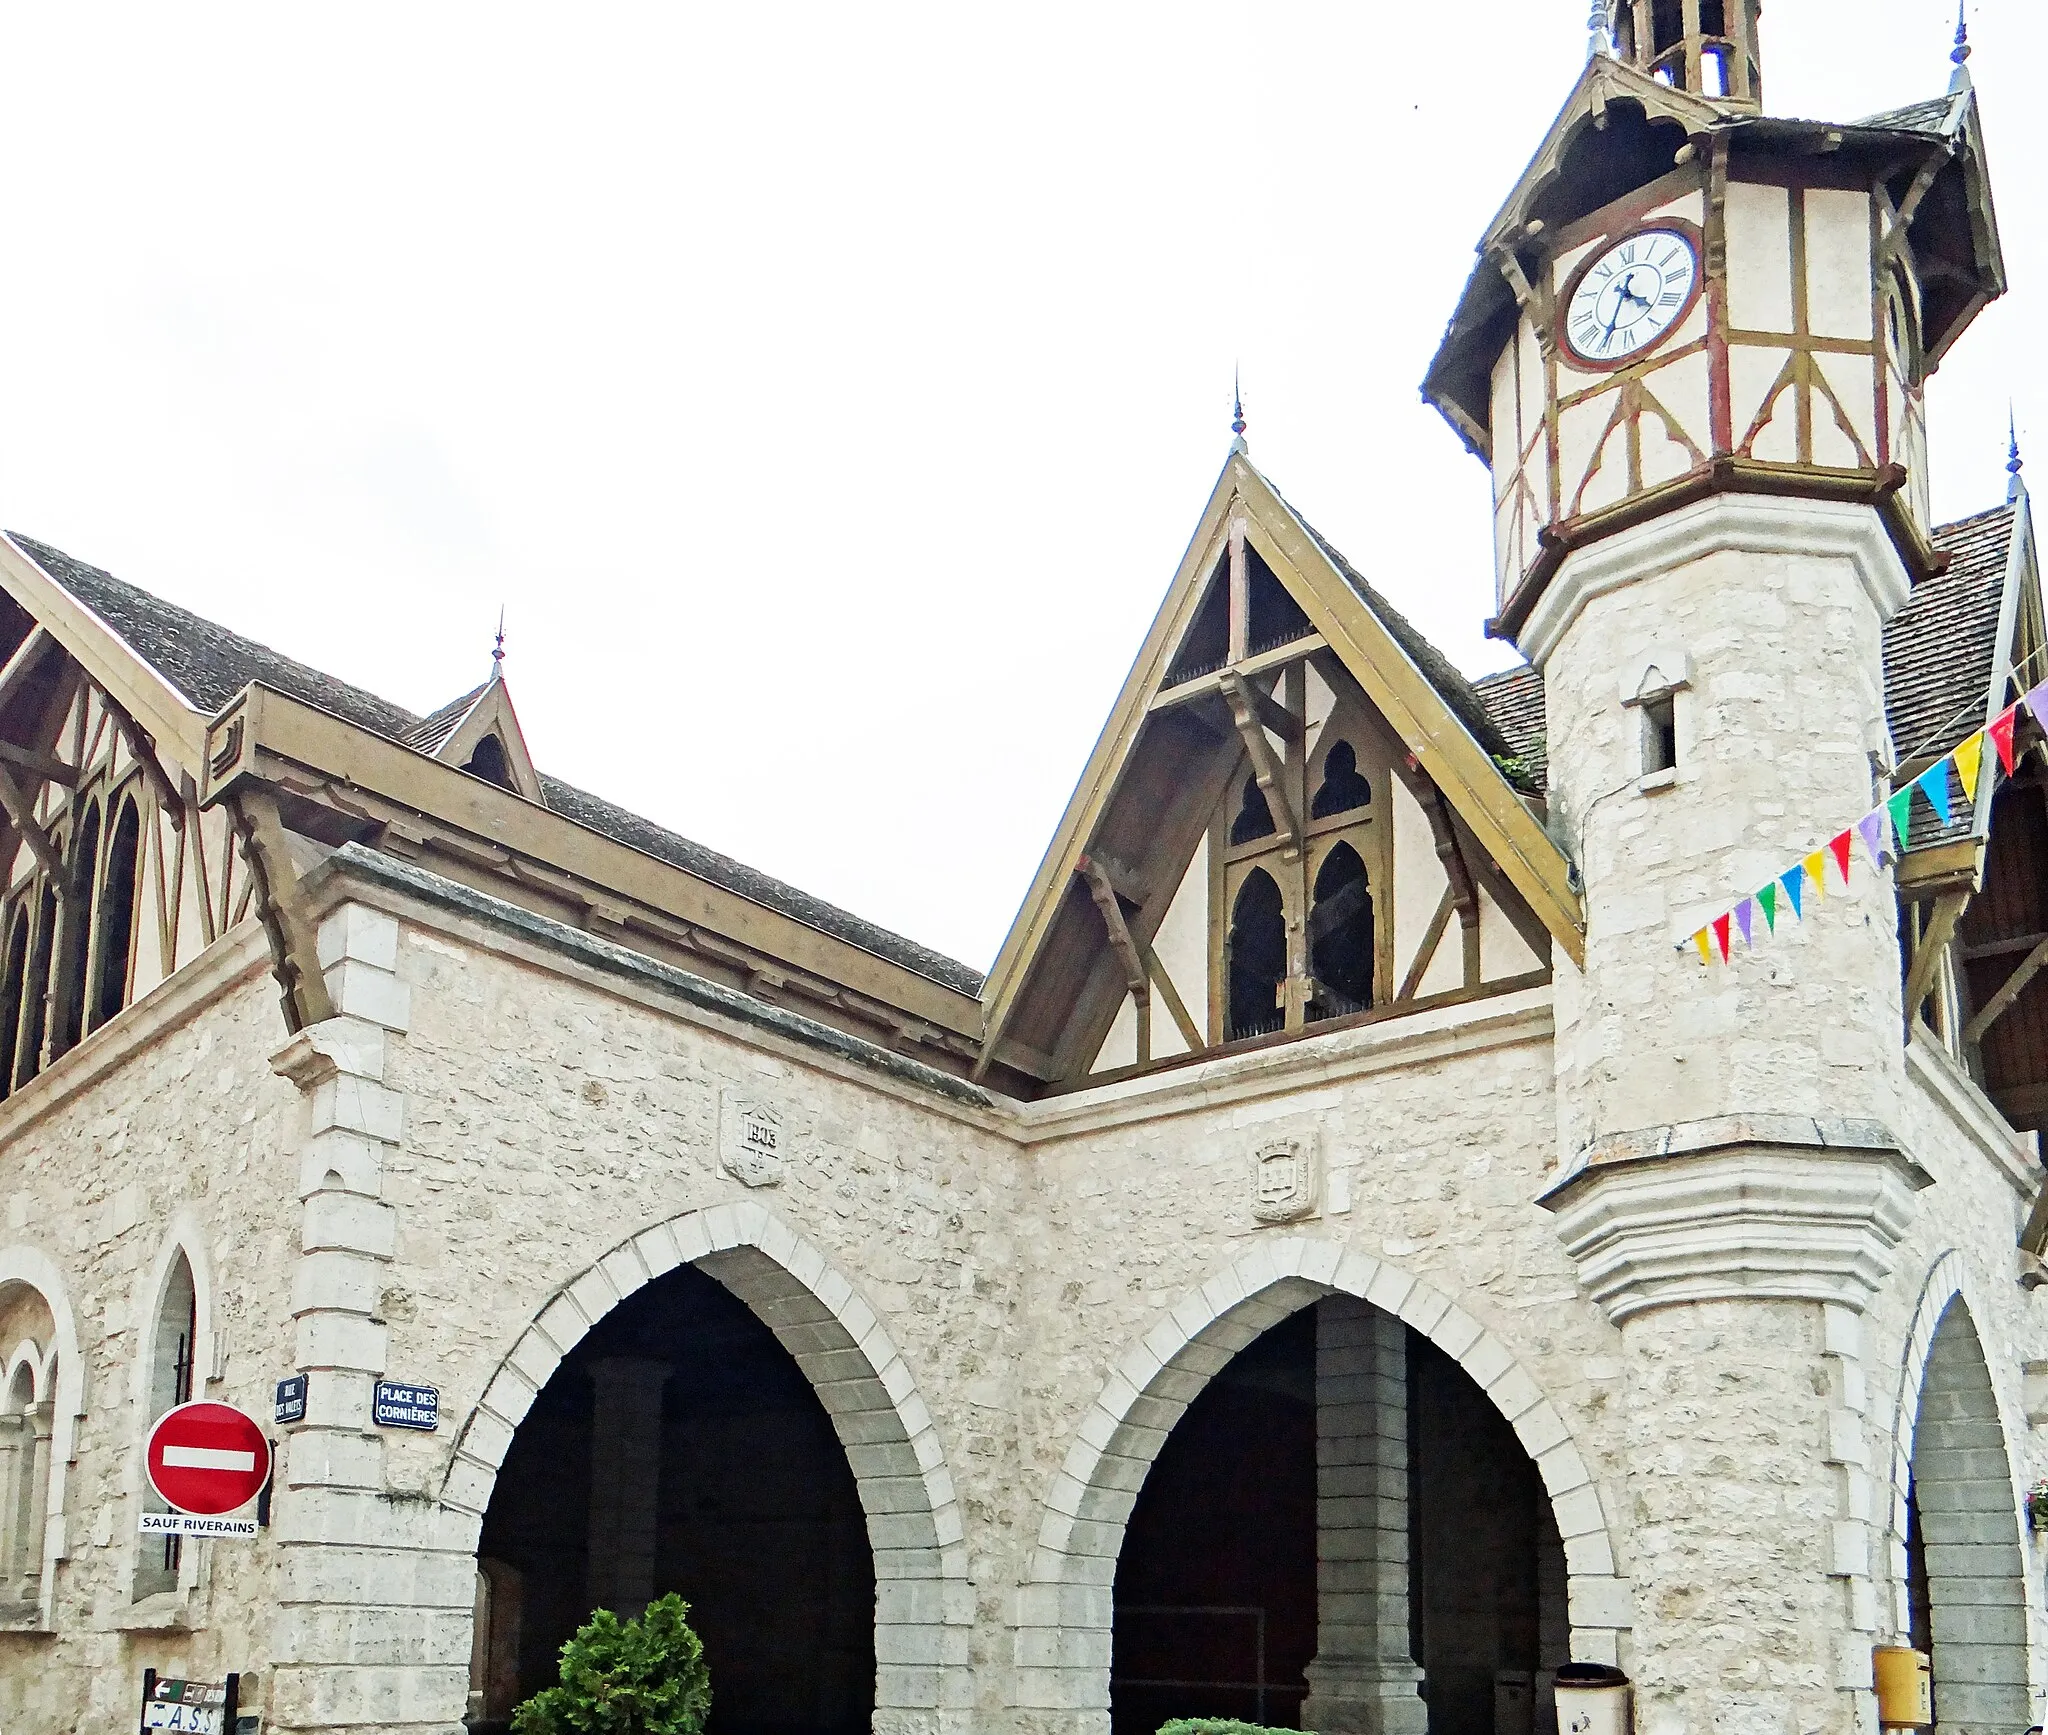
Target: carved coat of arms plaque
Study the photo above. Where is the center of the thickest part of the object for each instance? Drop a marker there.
(1284, 1180)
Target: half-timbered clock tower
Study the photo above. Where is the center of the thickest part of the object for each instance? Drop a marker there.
(1693, 355)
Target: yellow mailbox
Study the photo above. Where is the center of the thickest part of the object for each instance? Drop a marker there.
(1905, 1688)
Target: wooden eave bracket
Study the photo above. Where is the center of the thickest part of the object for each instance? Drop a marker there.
(294, 944)
(1927, 955)
(1141, 967)
(1248, 707)
(21, 814)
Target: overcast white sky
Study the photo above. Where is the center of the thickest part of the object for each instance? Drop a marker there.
(828, 391)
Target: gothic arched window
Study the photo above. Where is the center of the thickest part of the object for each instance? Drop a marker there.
(1340, 935)
(1257, 956)
(114, 938)
(35, 991)
(173, 1346)
(489, 762)
(1254, 818)
(1344, 786)
(11, 980)
(75, 941)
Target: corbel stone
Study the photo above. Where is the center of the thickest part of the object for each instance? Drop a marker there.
(1737, 1207)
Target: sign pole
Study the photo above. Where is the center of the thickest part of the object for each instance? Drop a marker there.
(148, 1689)
(232, 1704)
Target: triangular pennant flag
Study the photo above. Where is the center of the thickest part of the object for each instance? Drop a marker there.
(2000, 730)
(2037, 702)
(1721, 936)
(1816, 871)
(1745, 919)
(1841, 846)
(1969, 763)
(1795, 889)
(1933, 783)
(1901, 806)
(1767, 901)
(1871, 827)
(1705, 942)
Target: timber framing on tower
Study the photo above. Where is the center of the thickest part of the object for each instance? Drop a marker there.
(1215, 719)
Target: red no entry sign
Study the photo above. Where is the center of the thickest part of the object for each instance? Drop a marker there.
(207, 1458)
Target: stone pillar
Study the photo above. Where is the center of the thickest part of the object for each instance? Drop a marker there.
(1364, 1680)
(625, 1482)
(374, 1595)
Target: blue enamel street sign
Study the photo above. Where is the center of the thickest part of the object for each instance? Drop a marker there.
(400, 1405)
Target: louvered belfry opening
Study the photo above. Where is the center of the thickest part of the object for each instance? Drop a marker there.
(1708, 47)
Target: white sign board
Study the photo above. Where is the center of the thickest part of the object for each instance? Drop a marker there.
(192, 1524)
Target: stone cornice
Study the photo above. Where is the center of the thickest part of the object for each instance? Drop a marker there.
(1744, 523)
(1758, 1207)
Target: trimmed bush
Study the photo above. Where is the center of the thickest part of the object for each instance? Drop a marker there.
(642, 1677)
(1219, 1726)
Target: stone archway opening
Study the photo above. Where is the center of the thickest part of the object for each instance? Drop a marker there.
(1340, 1533)
(1430, 1439)
(680, 1447)
(1965, 1567)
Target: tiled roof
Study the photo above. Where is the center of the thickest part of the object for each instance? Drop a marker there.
(208, 665)
(1514, 700)
(1938, 648)
(432, 730)
(1916, 117)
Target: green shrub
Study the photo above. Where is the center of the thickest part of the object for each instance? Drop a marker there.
(1218, 1726)
(643, 1677)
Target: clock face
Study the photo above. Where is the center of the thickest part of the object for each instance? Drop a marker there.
(1631, 296)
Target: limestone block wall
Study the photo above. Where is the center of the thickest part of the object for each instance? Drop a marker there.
(160, 1136)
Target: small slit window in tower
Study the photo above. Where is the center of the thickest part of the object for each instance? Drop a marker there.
(1340, 936)
(1344, 786)
(1660, 734)
(1254, 818)
(1257, 959)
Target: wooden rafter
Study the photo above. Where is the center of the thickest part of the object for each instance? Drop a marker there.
(1927, 955)
(1460, 889)
(1137, 978)
(40, 765)
(21, 814)
(143, 751)
(1425, 954)
(2002, 1002)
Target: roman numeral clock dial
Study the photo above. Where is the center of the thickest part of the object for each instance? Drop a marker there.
(1630, 296)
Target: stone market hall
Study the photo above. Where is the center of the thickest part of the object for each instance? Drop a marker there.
(1444, 1180)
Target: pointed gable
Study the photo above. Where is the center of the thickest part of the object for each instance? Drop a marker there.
(1272, 673)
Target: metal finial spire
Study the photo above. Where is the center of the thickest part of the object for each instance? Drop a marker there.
(1237, 414)
(1600, 29)
(1961, 52)
(2014, 463)
(498, 649)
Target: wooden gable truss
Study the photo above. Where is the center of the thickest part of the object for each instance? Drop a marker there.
(1113, 961)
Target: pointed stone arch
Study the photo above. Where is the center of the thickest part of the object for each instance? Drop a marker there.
(1949, 1445)
(924, 1598)
(1065, 1605)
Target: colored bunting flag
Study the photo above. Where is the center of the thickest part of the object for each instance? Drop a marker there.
(1969, 763)
(1816, 870)
(1795, 889)
(2000, 731)
(1871, 828)
(1767, 900)
(1706, 945)
(2037, 702)
(1901, 808)
(1745, 919)
(1721, 936)
(1933, 783)
(1841, 846)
